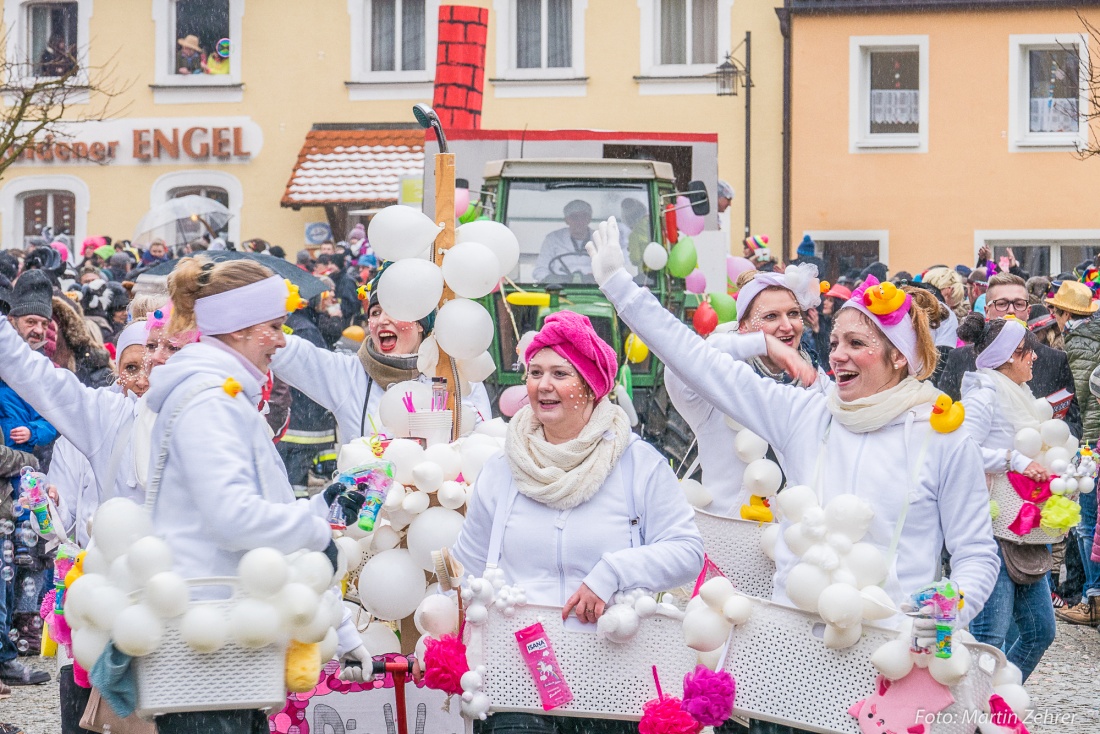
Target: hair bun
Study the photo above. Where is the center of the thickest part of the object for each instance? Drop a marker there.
(972, 327)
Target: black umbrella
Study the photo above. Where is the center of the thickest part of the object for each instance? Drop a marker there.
(308, 285)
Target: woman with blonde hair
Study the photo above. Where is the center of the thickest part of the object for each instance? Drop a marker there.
(953, 288)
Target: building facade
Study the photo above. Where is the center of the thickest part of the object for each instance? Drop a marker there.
(293, 114)
(918, 137)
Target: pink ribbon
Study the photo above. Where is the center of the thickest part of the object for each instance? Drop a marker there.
(1001, 715)
(1031, 492)
(859, 295)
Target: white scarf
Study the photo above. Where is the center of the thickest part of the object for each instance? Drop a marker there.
(564, 475)
(871, 413)
(1017, 402)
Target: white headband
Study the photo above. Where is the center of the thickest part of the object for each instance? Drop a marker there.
(801, 280)
(902, 334)
(242, 307)
(1003, 346)
(133, 335)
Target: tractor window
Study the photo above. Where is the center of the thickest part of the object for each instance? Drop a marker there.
(554, 219)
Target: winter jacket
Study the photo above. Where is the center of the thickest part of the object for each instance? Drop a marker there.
(16, 412)
(947, 501)
(1050, 374)
(310, 423)
(76, 351)
(223, 490)
(339, 383)
(1083, 351)
(550, 553)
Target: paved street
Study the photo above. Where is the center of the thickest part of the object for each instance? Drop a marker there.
(1065, 690)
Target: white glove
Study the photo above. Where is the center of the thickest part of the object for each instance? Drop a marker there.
(924, 628)
(355, 665)
(606, 251)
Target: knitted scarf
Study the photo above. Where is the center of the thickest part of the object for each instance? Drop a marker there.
(564, 475)
(871, 413)
(387, 369)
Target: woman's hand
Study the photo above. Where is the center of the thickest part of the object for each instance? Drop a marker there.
(589, 606)
(1036, 473)
(790, 360)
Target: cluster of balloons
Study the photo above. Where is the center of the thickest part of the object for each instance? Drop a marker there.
(712, 613)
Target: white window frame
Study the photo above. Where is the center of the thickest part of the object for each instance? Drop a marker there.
(565, 81)
(17, 21)
(1020, 138)
(163, 186)
(1052, 238)
(860, 138)
(172, 88)
(365, 84)
(853, 235)
(11, 196)
(658, 78)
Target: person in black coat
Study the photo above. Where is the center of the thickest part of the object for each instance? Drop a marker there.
(1051, 373)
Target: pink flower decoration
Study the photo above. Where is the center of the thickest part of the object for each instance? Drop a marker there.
(708, 695)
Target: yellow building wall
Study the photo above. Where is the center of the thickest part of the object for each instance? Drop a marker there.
(931, 203)
(296, 59)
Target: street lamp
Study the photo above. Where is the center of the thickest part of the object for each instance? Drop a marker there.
(728, 76)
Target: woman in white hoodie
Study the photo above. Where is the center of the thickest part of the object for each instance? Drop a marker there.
(871, 436)
(216, 484)
(578, 508)
(998, 405)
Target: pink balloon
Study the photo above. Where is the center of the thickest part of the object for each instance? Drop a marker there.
(735, 266)
(512, 399)
(687, 221)
(696, 282)
(462, 201)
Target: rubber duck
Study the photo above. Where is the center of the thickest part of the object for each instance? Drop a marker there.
(232, 387)
(757, 509)
(947, 415)
(76, 571)
(884, 298)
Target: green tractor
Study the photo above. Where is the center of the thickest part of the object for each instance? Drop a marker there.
(551, 205)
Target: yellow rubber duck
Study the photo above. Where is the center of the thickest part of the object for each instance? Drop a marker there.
(884, 298)
(947, 415)
(757, 509)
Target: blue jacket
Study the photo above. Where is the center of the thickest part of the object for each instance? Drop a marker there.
(15, 412)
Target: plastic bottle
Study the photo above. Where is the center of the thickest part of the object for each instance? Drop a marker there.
(374, 488)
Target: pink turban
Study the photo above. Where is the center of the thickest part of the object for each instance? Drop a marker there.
(571, 336)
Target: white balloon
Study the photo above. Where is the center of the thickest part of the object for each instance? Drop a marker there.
(204, 628)
(1056, 454)
(762, 477)
(105, 604)
(716, 591)
(410, 289)
(353, 552)
(427, 476)
(405, 455)
(471, 269)
(497, 237)
(315, 629)
(451, 495)
(88, 645)
(298, 603)
(117, 524)
(1058, 485)
(391, 408)
(435, 528)
(951, 671)
(95, 561)
(1008, 675)
(705, 629)
(1016, 696)
(395, 496)
(447, 457)
(415, 503)
(137, 631)
(877, 604)
(804, 585)
(147, 557)
(437, 615)
(463, 328)
(795, 539)
(838, 638)
(314, 570)
(849, 515)
(794, 501)
(329, 645)
(254, 624)
(356, 452)
(768, 539)
(477, 369)
(399, 232)
(379, 639)
(119, 574)
(696, 494)
(1028, 442)
(263, 571)
(841, 605)
(391, 584)
(167, 594)
(749, 446)
(495, 428)
(1043, 409)
(1055, 433)
(474, 458)
(893, 660)
(737, 609)
(78, 599)
(655, 256)
(867, 563)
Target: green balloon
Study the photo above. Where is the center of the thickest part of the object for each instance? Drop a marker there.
(683, 258)
(725, 306)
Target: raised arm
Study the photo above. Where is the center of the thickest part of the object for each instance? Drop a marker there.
(326, 378)
(690, 405)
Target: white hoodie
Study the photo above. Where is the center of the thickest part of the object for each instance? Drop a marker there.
(947, 502)
(338, 383)
(224, 489)
(987, 424)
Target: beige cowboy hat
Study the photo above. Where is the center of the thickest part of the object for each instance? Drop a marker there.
(1074, 297)
(191, 42)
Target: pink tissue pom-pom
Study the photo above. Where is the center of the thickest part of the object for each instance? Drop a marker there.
(59, 630)
(444, 664)
(46, 608)
(708, 696)
(665, 716)
(80, 676)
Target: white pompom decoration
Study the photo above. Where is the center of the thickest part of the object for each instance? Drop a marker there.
(147, 557)
(204, 628)
(263, 571)
(117, 524)
(167, 594)
(253, 624)
(137, 631)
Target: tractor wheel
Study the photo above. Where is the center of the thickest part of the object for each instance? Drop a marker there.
(661, 424)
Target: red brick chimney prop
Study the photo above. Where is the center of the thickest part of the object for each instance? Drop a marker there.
(460, 66)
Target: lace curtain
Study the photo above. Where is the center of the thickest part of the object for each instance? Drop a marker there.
(895, 106)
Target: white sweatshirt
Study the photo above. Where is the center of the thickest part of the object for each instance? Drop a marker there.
(77, 489)
(987, 425)
(948, 501)
(723, 471)
(550, 553)
(338, 383)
